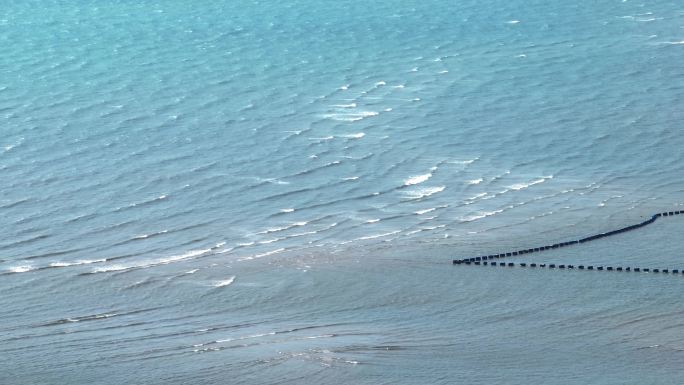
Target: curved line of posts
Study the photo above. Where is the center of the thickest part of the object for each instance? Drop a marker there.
(486, 260)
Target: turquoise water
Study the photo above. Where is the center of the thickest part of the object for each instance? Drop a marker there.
(252, 192)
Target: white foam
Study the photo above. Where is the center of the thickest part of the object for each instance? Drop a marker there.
(287, 210)
(266, 254)
(430, 228)
(378, 235)
(520, 186)
(224, 251)
(477, 196)
(273, 181)
(76, 263)
(463, 162)
(153, 262)
(302, 234)
(681, 42)
(417, 179)
(373, 221)
(329, 137)
(350, 105)
(425, 192)
(282, 228)
(240, 338)
(475, 181)
(421, 212)
(354, 136)
(224, 282)
(481, 215)
(149, 235)
(20, 269)
(351, 178)
(351, 116)
(159, 198)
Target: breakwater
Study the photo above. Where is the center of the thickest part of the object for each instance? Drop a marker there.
(490, 260)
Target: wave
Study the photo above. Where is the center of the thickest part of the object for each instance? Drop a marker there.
(266, 254)
(421, 212)
(275, 181)
(520, 186)
(463, 162)
(92, 317)
(353, 136)
(153, 262)
(200, 345)
(429, 210)
(417, 179)
(15, 203)
(424, 192)
(143, 203)
(430, 228)
(290, 236)
(377, 235)
(78, 262)
(21, 269)
(476, 197)
(225, 282)
(681, 42)
(314, 169)
(322, 139)
(351, 116)
(481, 215)
(282, 228)
(145, 236)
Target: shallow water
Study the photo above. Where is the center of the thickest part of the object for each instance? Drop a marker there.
(273, 193)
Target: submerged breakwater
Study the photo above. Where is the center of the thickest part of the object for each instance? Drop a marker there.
(485, 259)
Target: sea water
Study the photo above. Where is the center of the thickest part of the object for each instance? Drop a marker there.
(251, 192)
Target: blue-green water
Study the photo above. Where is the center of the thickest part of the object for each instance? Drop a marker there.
(264, 192)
